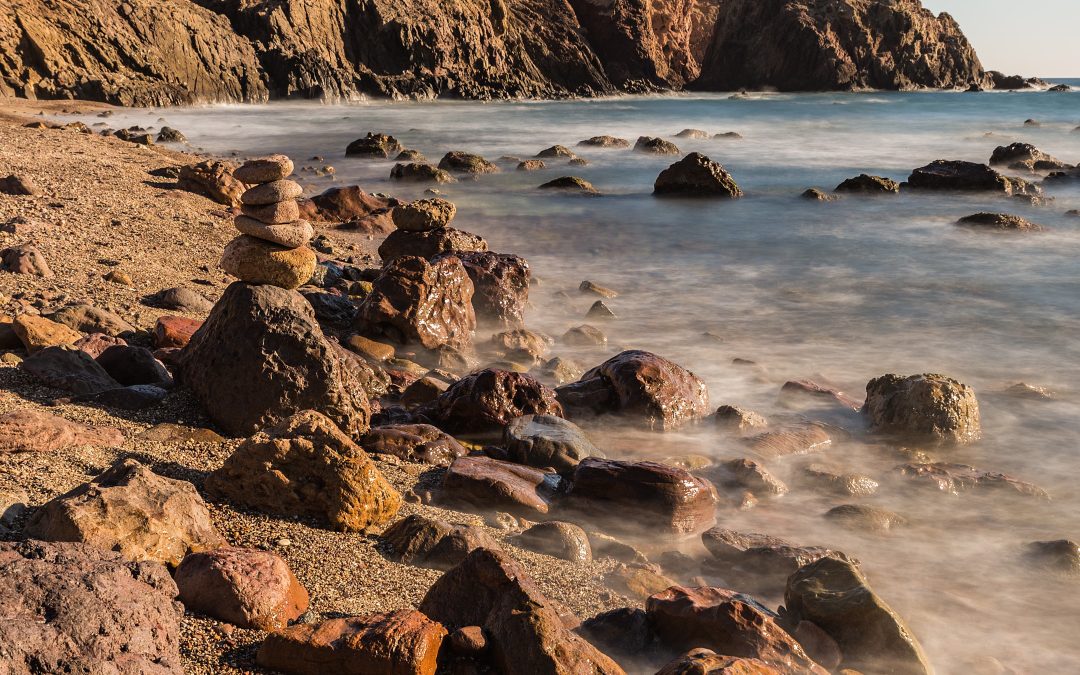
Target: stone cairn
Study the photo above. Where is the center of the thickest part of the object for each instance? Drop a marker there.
(272, 247)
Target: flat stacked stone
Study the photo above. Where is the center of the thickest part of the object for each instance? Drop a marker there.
(272, 246)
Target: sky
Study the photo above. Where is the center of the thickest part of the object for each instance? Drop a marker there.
(1025, 37)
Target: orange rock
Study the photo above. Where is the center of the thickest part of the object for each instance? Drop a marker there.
(174, 331)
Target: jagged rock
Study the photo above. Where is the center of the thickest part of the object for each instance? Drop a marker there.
(501, 283)
(429, 244)
(486, 400)
(306, 467)
(432, 543)
(69, 369)
(212, 179)
(133, 366)
(235, 368)
(697, 175)
(170, 135)
(1025, 157)
(488, 485)
(624, 633)
(96, 343)
(35, 431)
(379, 146)
(463, 162)
(25, 259)
(867, 184)
(532, 165)
(558, 539)
(132, 510)
(547, 441)
(925, 407)
(421, 443)
(655, 146)
(417, 172)
(1002, 222)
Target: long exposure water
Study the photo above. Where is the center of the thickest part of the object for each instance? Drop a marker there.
(844, 291)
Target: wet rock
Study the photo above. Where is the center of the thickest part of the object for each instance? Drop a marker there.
(333, 312)
(1025, 157)
(999, 222)
(524, 629)
(966, 177)
(170, 135)
(416, 172)
(624, 633)
(571, 184)
(485, 401)
(37, 333)
(708, 662)
(931, 408)
(846, 484)
(1034, 392)
(521, 344)
(736, 419)
(638, 581)
(642, 495)
(867, 184)
(556, 151)
(70, 370)
(795, 392)
(27, 430)
(866, 518)
(796, 439)
(693, 133)
(642, 386)
(377, 146)
(728, 623)
(21, 186)
(424, 215)
(25, 259)
(260, 262)
(174, 331)
(557, 539)
(423, 391)
(559, 370)
(463, 162)
(958, 478)
(432, 543)
(245, 587)
(835, 596)
(416, 301)
(816, 195)
(349, 205)
(420, 443)
(655, 146)
(605, 142)
(212, 179)
(759, 554)
(404, 642)
(429, 244)
(501, 283)
(182, 300)
(746, 474)
(134, 365)
(410, 156)
(590, 288)
(371, 350)
(1061, 556)
(489, 485)
(76, 608)
(584, 336)
(697, 175)
(532, 165)
(132, 510)
(233, 366)
(547, 441)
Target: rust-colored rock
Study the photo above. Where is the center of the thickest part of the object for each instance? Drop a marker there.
(420, 443)
(796, 439)
(490, 485)
(37, 333)
(429, 243)
(174, 331)
(485, 401)
(436, 544)
(352, 206)
(708, 662)
(501, 285)
(35, 431)
(212, 179)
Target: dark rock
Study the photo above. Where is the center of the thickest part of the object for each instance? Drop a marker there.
(584, 336)
(1002, 222)
(501, 283)
(532, 165)
(170, 135)
(485, 401)
(421, 443)
(968, 177)
(69, 369)
(557, 539)
(134, 365)
(797, 391)
(351, 206)
(600, 311)
(416, 172)
(333, 311)
(696, 175)
(556, 151)
(866, 518)
(424, 215)
(134, 397)
(929, 407)
(432, 543)
(867, 184)
(490, 485)
(655, 146)
(571, 184)
(429, 244)
(463, 162)
(1025, 157)
(624, 633)
(378, 146)
(547, 441)
(605, 142)
(759, 554)
(816, 195)
(1061, 556)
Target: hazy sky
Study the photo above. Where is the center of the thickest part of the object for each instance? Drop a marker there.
(1029, 37)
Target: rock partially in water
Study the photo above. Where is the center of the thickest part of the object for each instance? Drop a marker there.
(707, 662)
(374, 145)
(547, 441)
(424, 214)
(418, 172)
(489, 485)
(956, 478)
(968, 177)
(1025, 157)
(797, 439)
(531, 165)
(795, 392)
(556, 151)
(733, 418)
(463, 162)
(697, 175)
(929, 408)
(866, 518)
(758, 554)
(746, 474)
(605, 142)
(584, 336)
(571, 184)
(486, 400)
(1061, 556)
(846, 484)
(501, 283)
(867, 184)
(1001, 222)
(429, 244)
(818, 195)
(655, 146)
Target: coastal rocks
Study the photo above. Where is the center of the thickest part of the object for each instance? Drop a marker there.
(500, 283)
(571, 184)
(25, 259)
(655, 146)
(865, 518)
(463, 162)
(376, 146)
(953, 478)
(248, 588)
(420, 443)
(759, 555)
(547, 441)
(416, 172)
(37, 333)
(642, 386)
(844, 484)
(349, 206)
(746, 474)
(1025, 157)
(867, 184)
(233, 364)
(999, 222)
(306, 467)
(421, 302)
(212, 179)
(1061, 556)
(931, 408)
(429, 244)
(403, 642)
(795, 439)
(132, 510)
(35, 431)
(432, 543)
(733, 418)
(696, 175)
(605, 142)
(78, 609)
(264, 170)
(424, 215)
(708, 662)
(531, 165)
(835, 596)
(555, 152)
(491, 485)
(486, 400)
(968, 177)
(565, 541)
(69, 369)
(642, 494)
(818, 195)
(259, 261)
(524, 630)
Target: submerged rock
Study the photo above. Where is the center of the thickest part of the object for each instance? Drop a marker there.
(1061, 556)
(817, 195)
(1003, 222)
(865, 517)
(571, 184)
(489, 485)
(956, 478)
(463, 162)
(655, 146)
(697, 175)
(417, 172)
(867, 184)
(605, 142)
(758, 554)
(967, 177)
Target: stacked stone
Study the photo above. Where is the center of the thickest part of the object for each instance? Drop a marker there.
(272, 247)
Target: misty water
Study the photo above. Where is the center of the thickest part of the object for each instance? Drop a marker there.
(841, 291)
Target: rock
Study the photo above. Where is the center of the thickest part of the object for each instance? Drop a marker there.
(376, 146)
(435, 544)
(410, 156)
(259, 262)
(25, 259)
(134, 365)
(279, 213)
(600, 311)
(70, 370)
(429, 244)
(1034, 392)
(28, 430)
(416, 172)
(1002, 81)
(698, 176)
(78, 609)
(491, 485)
(132, 510)
(174, 331)
(37, 333)
(953, 478)
(547, 441)
(708, 662)
(501, 283)
(835, 596)
(306, 467)
(248, 588)
(638, 581)
(234, 365)
(182, 300)
(424, 215)
(524, 629)
(531, 165)
(605, 142)
(416, 301)
(967, 177)
(134, 397)
(264, 170)
(591, 288)
(212, 179)
(584, 336)
(271, 193)
(23, 186)
(571, 184)
(486, 400)
(844, 484)
(556, 151)
(640, 385)
(89, 319)
(290, 235)
(403, 642)
(463, 162)
(96, 343)
(999, 222)
(170, 135)
(865, 517)
(1061, 556)
(637, 495)
(655, 146)
(624, 633)
(746, 474)
(736, 419)
(797, 392)
(1025, 157)
(759, 554)
(521, 344)
(370, 349)
(351, 207)
(425, 390)
(931, 408)
(693, 133)
(816, 195)
(867, 184)
(728, 623)
(559, 370)
(797, 439)
(468, 641)
(119, 277)
(565, 541)
(176, 434)
(421, 443)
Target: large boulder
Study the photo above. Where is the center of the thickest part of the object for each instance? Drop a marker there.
(132, 510)
(968, 177)
(421, 302)
(547, 441)
(1025, 157)
(635, 495)
(928, 407)
(306, 467)
(428, 244)
(524, 630)
(75, 608)
(28, 430)
(834, 595)
(697, 176)
(640, 385)
(501, 283)
(261, 356)
(485, 401)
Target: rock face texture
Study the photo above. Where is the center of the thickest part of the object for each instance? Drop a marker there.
(251, 49)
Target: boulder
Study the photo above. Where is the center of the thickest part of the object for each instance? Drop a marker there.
(376, 146)
(584, 336)
(424, 214)
(834, 595)
(306, 467)
(403, 642)
(521, 345)
(432, 543)
(635, 495)
(261, 357)
(213, 179)
(867, 184)
(531, 165)
(89, 319)
(486, 400)
(640, 385)
(655, 146)
(37, 333)
(429, 243)
(708, 662)
(134, 365)
(557, 539)
(69, 369)
(260, 262)
(759, 555)
(349, 205)
(25, 259)
(605, 142)
(27, 430)
(246, 587)
(697, 134)
(463, 162)
(418, 172)
(501, 283)
(420, 443)
(555, 152)
(174, 331)
(928, 408)
(132, 510)
(490, 485)
(19, 186)
(696, 176)
(572, 184)
(524, 629)
(968, 177)
(74, 608)
(547, 441)
(1025, 157)
(818, 195)
(999, 222)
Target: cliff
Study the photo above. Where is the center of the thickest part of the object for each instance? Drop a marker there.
(155, 52)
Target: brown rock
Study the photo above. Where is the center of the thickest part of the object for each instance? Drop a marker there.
(273, 214)
(867, 184)
(547, 441)
(421, 443)
(795, 392)
(708, 662)
(968, 177)
(736, 419)
(351, 206)
(697, 176)
(429, 243)
(531, 165)
(271, 193)
(174, 331)
(605, 142)
(558, 539)
(96, 343)
(491, 485)
(848, 484)
(463, 162)
(25, 259)
(501, 283)
(212, 179)
(746, 474)
(89, 319)
(486, 400)
(370, 349)
(259, 262)
(69, 369)
(759, 554)
(999, 222)
(417, 172)
(35, 431)
(955, 479)
(584, 336)
(378, 146)
(37, 333)
(800, 439)
(22, 186)
(638, 581)
(866, 518)
(264, 170)
(931, 408)
(655, 146)
(572, 184)
(289, 235)
(432, 543)
(424, 215)
(1061, 556)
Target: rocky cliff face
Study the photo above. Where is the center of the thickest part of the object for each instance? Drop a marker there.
(153, 52)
